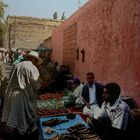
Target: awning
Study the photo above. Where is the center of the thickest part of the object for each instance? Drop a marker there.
(43, 49)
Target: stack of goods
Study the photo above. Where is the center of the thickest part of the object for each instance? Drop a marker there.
(77, 132)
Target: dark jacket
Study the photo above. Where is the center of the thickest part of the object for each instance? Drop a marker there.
(99, 93)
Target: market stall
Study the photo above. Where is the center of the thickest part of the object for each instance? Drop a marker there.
(51, 104)
(66, 127)
(57, 122)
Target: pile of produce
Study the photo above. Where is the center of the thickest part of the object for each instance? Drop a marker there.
(48, 96)
(51, 112)
(50, 104)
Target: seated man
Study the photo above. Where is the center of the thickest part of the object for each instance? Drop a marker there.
(89, 96)
(74, 98)
(77, 93)
(92, 96)
(115, 116)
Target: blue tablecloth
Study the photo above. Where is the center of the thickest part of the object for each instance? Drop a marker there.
(60, 128)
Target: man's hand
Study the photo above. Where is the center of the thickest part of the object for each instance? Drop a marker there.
(88, 105)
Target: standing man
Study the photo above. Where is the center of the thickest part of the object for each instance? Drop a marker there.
(2, 81)
(16, 54)
(11, 54)
(92, 96)
(19, 112)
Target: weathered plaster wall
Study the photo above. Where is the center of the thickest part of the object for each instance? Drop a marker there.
(57, 45)
(109, 32)
(28, 32)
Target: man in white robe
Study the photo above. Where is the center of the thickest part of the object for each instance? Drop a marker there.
(19, 112)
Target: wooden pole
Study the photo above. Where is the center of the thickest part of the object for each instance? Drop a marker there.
(10, 26)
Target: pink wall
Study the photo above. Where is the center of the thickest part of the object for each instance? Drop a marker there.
(109, 32)
(57, 45)
(48, 43)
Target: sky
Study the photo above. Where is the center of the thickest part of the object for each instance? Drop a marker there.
(42, 8)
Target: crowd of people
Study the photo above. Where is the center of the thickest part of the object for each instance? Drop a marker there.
(107, 114)
(11, 57)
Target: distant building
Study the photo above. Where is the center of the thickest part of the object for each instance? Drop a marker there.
(28, 32)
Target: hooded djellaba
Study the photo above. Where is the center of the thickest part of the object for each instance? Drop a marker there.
(19, 112)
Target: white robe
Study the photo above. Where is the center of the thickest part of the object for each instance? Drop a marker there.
(21, 97)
